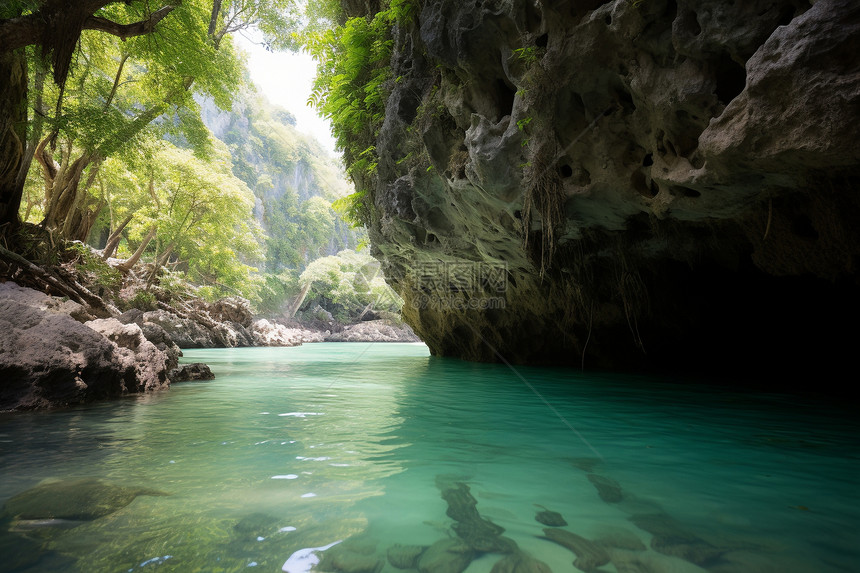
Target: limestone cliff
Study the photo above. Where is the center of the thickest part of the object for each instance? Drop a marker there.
(648, 182)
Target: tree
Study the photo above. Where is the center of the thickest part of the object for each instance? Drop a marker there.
(53, 27)
(158, 59)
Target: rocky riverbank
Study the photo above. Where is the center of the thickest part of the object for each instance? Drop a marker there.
(55, 352)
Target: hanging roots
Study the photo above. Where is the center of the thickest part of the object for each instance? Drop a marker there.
(544, 195)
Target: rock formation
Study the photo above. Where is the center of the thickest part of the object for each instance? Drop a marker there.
(49, 359)
(625, 183)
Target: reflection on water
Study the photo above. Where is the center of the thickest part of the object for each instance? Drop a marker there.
(408, 460)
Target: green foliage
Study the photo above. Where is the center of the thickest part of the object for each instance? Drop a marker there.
(346, 284)
(352, 208)
(143, 300)
(528, 54)
(96, 271)
(353, 69)
(269, 292)
(292, 177)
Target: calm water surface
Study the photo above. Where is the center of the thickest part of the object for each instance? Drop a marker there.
(295, 448)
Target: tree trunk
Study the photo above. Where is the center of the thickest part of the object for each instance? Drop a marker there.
(294, 307)
(13, 134)
(127, 265)
(115, 238)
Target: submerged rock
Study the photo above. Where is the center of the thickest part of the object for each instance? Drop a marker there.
(589, 556)
(80, 499)
(619, 538)
(479, 533)
(520, 562)
(607, 488)
(671, 538)
(551, 518)
(446, 556)
(343, 559)
(405, 556)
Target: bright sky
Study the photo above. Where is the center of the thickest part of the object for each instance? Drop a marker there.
(286, 79)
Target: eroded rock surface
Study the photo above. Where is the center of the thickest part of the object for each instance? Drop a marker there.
(49, 359)
(641, 184)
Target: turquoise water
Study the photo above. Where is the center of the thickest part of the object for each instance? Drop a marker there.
(296, 448)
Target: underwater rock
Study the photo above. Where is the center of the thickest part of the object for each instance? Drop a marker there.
(520, 562)
(551, 518)
(589, 556)
(607, 488)
(670, 538)
(405, 556)
(446, 556)
(619, 538)
(342, 560)
(481, 534)
(18, 552)
(585, 464)
(81, 499)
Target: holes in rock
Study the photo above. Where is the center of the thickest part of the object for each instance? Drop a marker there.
(689, 23)
(431, 238)
(679, 191)
(648, 160)
(730, 77)
(608, 19)
(542, 41)
(696, 161)
(671, 147)
(518, 214)
(802, 227)
(565, 170)
(625, 100)
(639, 184)
(655, 190)
(511, 280)
(504, 96)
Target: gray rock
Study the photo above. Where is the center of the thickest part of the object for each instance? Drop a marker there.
(618, 163)
(183, 332)
(150, 364)
(374, 331)
(194, 372)
(48, 359)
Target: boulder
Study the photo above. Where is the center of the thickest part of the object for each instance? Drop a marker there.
(194, 372)
(48, 359)
(150, 364)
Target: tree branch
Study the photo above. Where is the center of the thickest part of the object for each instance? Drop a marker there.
(124, 31)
